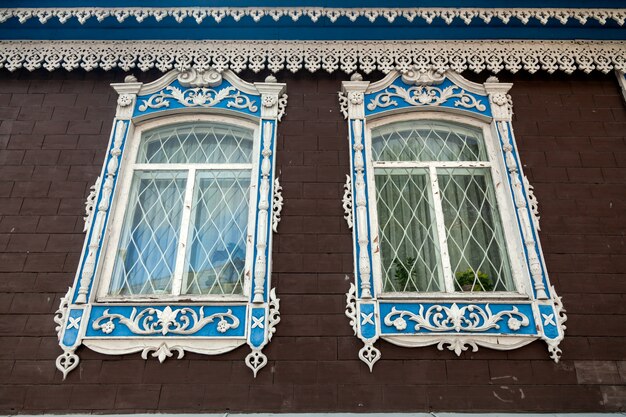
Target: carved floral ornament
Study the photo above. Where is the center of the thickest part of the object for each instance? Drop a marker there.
(217, 14)
(330, 56)
(159, 327)
(451, 320)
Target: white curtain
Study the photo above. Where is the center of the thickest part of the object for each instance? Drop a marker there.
(408, 233)
(147, 251)
(217, 245)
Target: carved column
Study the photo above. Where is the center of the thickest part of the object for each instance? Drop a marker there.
(354, 92)
(502, 111)
(125, 103)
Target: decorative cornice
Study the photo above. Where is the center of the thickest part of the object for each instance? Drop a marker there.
(426, 15)
(366, 56)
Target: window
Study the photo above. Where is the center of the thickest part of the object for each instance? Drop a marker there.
(444, 227)
(438, 220)
(186, 217)
(177, 255)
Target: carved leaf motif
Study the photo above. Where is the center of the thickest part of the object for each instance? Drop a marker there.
(273, 315)
(534, 203)
(425, 96)
(150, 321)
(162, 352)
(198, 97)
(471, 318)
(351, 307)
(347, 201)
(90, 204)
(60, 316)
(282, 106)
(277, 205)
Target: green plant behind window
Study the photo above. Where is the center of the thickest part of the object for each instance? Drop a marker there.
(469, 280)
(404, 272)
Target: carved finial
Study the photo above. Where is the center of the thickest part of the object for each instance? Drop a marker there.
(271, 79)
(356, 77)
(493, 79)
(130, 79)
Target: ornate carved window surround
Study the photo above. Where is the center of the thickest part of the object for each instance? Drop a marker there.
(459, 321)
(164, 326)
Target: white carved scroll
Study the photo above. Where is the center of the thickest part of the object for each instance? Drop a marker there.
(277, 205)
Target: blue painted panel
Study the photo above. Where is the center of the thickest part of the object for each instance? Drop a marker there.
(175, 96)
(303, 29)
(257, 327)
(367, 320)
(488, 318)
(72, 327)
(164, 321)
(549, 321)
(400, 95)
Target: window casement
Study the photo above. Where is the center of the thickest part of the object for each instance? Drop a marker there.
(445, 224)
(177, 255)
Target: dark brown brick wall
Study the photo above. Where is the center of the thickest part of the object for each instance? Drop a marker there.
(571, 134)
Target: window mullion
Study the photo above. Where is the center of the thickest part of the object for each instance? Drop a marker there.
(441, 230)
(184, 232)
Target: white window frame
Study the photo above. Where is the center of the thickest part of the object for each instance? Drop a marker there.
(512, 238)
(127, 170)
(499, 320)
(167, 324)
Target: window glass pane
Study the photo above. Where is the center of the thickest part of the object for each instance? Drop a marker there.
(427, 140)
(146, 255)
(217, 238)
(408, 232)
(201, 143)
(475, 240)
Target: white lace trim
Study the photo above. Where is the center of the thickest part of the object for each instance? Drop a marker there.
(347, 56)
(421, 15)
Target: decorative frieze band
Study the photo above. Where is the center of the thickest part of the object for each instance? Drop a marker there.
(347, 56)
(426, 15)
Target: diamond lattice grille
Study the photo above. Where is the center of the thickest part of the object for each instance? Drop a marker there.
(200, 143)
(443, 201)
(217, 249)
(408, 232)
(147, 252)
(426, 141)
(475, 240)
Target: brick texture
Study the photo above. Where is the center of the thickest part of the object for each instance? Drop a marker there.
(571, 135)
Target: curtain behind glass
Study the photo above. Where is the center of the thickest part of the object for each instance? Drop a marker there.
(217, 239)
(408, 232)
(146, 257)
(475, 240)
